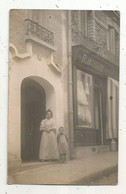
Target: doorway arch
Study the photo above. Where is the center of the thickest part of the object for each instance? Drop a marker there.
(33, 108)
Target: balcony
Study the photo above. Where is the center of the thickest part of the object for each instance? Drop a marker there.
(37, 31)
(80, 38)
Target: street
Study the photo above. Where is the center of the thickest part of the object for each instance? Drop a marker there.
(76, 172)
(111, 179)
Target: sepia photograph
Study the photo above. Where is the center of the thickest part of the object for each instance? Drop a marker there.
(63, 112)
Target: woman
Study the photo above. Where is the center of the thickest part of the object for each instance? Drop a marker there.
(48, 144)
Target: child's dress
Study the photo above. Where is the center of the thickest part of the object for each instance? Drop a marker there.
(62, 143)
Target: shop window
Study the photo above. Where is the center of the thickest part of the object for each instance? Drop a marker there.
(84, 100)
(89, 107)
(89, 101)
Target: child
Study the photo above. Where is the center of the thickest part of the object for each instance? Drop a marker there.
(62, 144)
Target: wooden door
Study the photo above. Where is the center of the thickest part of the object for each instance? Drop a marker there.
(33, 111)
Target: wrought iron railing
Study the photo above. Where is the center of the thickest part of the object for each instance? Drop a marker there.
(33, 28)
(96, 47)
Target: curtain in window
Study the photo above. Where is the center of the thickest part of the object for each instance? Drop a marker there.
(84, 99)
(112, 108)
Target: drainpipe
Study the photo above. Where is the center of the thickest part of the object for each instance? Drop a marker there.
(70, 89)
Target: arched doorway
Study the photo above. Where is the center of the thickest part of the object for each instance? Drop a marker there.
(33, 108)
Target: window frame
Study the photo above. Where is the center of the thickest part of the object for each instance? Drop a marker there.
(75, 68)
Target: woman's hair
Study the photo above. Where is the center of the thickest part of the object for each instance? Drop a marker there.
(49, 111)
(61, 128)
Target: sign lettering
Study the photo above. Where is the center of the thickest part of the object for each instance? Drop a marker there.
(93, 63)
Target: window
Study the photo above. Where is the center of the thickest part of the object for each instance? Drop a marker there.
(117, 46)
(112, 40)
(84, 100)
(101, 16)
(84, 22)
(40, 17)
(35, 16)
(89, 100)
(101, 35)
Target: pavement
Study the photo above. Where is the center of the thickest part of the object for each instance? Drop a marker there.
(74, 172)
(110, 179)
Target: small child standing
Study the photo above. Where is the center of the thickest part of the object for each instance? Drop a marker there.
(62, 144)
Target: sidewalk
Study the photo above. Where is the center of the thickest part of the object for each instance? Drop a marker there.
(74, 172)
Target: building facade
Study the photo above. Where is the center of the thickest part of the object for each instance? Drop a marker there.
(67, 61)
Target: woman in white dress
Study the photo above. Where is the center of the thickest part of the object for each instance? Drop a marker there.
(48, 145)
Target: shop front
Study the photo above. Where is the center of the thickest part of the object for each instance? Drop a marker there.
(93, 98)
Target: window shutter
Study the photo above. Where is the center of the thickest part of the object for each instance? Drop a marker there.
(112, 108)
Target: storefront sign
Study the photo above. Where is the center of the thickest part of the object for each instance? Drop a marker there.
(88, 60)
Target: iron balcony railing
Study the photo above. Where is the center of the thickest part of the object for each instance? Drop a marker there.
(33, 28)
(80, 38)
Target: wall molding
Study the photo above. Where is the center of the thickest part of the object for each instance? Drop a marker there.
(15, 53)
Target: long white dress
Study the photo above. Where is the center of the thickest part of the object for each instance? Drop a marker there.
(48, 145)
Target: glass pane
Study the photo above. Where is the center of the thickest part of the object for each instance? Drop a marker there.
(85, 110)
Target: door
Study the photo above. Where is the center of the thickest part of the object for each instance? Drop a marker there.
(33, 107)
(98, 114)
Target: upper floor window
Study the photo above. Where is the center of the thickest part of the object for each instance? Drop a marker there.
(117, 46)
(100, 15)
(35, 16)
(84, 22)
(113, 41)
(40, 17)
(101, 35)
